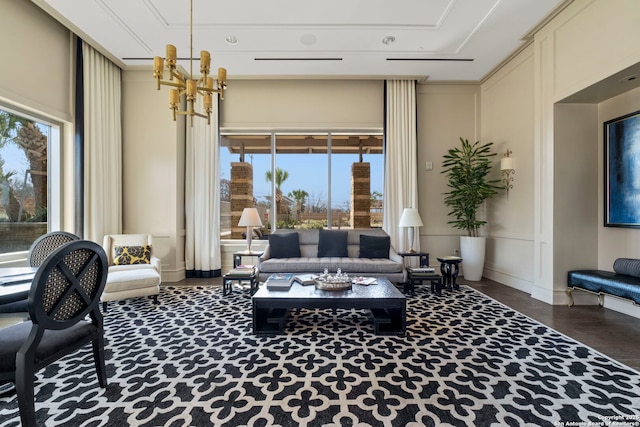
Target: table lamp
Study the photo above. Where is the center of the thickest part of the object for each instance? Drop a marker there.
(410, 218)
(250, 218)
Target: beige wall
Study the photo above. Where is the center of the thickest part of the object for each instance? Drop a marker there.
(303, 104)
(153, 170)
(575, 195)
(444, 114)
(507, 121)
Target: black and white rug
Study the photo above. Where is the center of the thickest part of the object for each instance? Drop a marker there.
(466, 360)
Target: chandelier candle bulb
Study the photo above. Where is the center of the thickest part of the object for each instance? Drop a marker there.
(191, 89)
(174, 98)
(171, 55)
(209, 84)
(158, 68)
(222, 75)
(205, 62)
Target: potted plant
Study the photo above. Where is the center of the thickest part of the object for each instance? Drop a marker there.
(467, 168)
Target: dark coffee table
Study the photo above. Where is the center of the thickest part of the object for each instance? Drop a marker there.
(387, 304)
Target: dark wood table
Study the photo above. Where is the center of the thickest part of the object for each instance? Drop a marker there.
(449, 268)
(387, 304)
(230, 277)
(416, 276)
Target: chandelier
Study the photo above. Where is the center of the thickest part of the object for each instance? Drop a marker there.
(186, 85)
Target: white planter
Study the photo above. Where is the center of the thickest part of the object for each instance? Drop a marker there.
(472, 251)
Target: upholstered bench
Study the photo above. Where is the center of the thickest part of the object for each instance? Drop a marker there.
(623, 282)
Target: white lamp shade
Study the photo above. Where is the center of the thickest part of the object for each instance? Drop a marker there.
(410, 218)
(250, 218)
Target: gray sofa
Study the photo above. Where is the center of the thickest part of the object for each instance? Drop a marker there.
(361, 252)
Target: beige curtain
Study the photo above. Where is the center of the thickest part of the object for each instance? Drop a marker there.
(102, 146)
(400, 170)
(202, 196)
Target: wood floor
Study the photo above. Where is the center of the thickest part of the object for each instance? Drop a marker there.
(612, 333)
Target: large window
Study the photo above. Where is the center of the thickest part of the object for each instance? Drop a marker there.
(310, 180)
(25, 156)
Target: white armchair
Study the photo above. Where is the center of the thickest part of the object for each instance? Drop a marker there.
(133, 270)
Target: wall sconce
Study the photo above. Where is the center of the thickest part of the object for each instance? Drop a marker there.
(506, 166)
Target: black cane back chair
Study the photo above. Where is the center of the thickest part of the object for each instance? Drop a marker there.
(38, 251)
(65, 290)
(46, 244)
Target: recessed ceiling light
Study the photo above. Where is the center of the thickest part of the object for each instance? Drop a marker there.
(232, 40)
(308, 39)
(388, 40)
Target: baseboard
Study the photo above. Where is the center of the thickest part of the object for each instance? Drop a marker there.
(508, 280)
(171, 276)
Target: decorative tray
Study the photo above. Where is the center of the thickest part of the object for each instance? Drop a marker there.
(333, 285)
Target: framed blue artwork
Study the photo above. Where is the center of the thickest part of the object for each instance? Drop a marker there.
(622, 171)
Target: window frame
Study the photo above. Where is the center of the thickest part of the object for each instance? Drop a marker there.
(54, 174)
(273, 135)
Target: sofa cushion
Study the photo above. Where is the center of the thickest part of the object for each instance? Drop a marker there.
(123, 280)
(374, 246)
(317, 265)
(284, 245)
(628, 266)
(127, 255)
(332, 243)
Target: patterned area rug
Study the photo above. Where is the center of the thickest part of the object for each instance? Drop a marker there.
(466, 360)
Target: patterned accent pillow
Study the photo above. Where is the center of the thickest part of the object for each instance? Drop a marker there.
(127, 255)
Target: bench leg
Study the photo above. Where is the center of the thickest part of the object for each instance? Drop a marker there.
(568, 291)
(601, 300)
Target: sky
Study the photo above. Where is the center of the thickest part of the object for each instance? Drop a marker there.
(14, 160)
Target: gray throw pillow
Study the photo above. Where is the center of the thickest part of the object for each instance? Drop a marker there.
(285, 245)
(332, 244)
(374, 246)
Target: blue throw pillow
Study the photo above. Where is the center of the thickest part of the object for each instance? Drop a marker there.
(285, 245)
(332, 244)
(374, 246)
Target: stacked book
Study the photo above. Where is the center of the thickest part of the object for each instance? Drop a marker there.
(243, 270)
(426, 271)
(279, 281)
(306, 279)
